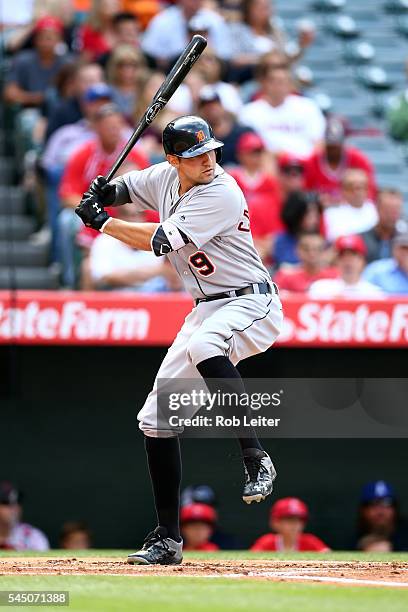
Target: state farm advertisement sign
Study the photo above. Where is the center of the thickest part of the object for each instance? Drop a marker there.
(47, 317)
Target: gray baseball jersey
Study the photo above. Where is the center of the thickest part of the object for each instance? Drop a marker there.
(220, 255)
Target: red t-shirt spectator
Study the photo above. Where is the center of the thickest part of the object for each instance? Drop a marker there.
(263, 185)
(87, 162)
(298, 280)
(273, 542)
(321, 178)
(264, 215)
(92, 42)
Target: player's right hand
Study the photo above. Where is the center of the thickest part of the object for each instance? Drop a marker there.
(104, 191)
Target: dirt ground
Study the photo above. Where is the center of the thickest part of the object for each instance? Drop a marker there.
(393, 573)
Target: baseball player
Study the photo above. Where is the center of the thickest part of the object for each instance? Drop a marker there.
(205, 231)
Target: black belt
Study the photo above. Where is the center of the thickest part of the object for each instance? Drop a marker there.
(254, 288)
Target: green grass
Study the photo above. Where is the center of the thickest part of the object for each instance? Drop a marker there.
(183, 594)
(222, 554)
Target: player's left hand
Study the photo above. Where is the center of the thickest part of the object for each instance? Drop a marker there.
(91, 211)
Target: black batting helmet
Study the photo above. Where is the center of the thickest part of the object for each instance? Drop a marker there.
(190, 136)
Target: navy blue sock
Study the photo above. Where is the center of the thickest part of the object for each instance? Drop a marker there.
(164, 459)
(220, 367)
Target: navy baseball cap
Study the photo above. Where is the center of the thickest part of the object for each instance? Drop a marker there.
(99, 91)
(198, 494)
(9, 494)
(379, 490)
(208, 94)
(335, 132)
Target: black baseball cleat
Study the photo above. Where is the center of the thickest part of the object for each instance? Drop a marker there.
(259, 475)
(158, 549)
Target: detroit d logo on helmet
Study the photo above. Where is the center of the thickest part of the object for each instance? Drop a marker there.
(200, 136)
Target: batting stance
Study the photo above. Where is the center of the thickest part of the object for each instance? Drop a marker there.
(204, 230)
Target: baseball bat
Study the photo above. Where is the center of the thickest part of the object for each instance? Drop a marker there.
(175, 77)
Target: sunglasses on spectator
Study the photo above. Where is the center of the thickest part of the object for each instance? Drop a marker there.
(309, 248)
(355, 186)
(128, 63)
(292, 170)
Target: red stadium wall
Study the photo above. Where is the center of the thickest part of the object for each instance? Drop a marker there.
(104, 318)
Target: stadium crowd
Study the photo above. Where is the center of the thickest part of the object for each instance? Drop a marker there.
(379, 526)
(80, 74)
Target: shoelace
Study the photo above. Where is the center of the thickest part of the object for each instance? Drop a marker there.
(156, 538)
(254, 466)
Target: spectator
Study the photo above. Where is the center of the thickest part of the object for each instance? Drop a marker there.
(325, 169)
(378, 239)
(75, 535)
(374, 543)
(261, 189)
(179, 104)
(391, 275)
(200, 494)
(115, 265)
(143, 10)
(60, 147)
(259, 33)
(351, 254)
(265, 220)
(197, 526)
(70, 110)
(288, 518)
(69, 137)
(20, 19)
(300, 213)
(224, 124)
(203, 494)
(64, 10)
(15, 535)
(97, 35)
(32, 72)
(379, 515)
(127, 74)
(311, 250)
(290, 175)
(212, 71)
(126, 32)
(253, 174)
(167, 33)
(92, 158)
(356, 213)
(287, 122)
(63, 88)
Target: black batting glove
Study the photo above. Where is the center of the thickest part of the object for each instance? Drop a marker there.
(91, 211)
(105, 192)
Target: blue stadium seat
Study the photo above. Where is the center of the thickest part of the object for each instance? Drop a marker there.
(357, 53)
(396, 6)
(343, 26)
(328, 6)
(375, 78)
(29, 278)
(23, 254)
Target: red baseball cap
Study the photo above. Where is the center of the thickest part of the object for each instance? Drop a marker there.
(286, 161)
(198, 512)
(249, 142)
(351, 243)
(288, 507)
(49, 23)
